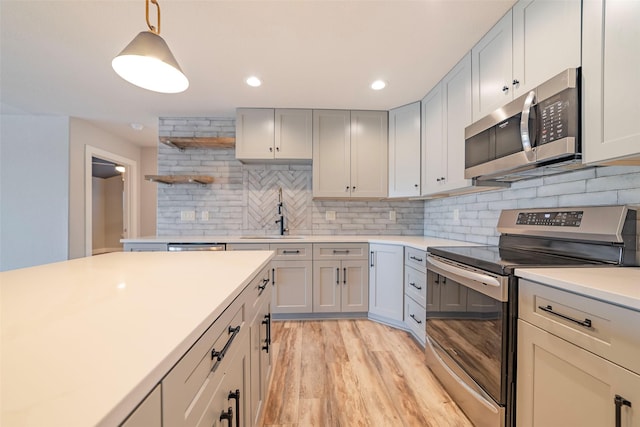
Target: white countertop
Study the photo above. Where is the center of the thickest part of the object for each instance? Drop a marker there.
(418, 242)
(617, 285)
(84, 341)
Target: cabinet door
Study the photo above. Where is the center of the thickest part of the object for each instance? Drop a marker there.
(540, 51)
(492, 68)
(355, 286)
(456, 87)
(254, 133)
(331, 153)
(149, 413)
(386, 275)
(432, 141)
(561, 384)
(404, 151)
(292, 286)
(327, 286)
(611, 66)
(260, 361)
(369, 154)
(293, 134)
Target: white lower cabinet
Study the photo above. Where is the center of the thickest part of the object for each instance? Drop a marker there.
(340, 278)
(386, 290)
(578, 361)
(148, 413)
(292, 277)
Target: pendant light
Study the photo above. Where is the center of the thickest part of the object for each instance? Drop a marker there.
(148, 63)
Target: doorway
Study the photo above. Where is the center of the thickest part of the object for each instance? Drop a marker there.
(109, 201)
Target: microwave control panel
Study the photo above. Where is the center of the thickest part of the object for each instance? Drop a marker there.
(558, 117)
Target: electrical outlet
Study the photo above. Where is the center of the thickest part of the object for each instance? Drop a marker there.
(330, 215)
(187, 215)
(456, 214)
(204, 215)
(392, 216)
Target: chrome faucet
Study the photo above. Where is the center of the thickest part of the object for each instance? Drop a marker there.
(281, 220)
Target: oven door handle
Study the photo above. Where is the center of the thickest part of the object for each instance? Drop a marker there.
(478, 277)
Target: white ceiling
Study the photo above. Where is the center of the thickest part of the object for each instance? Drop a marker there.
(56, 55)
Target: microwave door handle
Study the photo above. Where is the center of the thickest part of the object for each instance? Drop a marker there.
(478, 277)
(524, 126)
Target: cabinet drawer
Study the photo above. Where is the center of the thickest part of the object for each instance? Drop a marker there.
(189, 386)
(416, 259)
(605, 329)
(258, 291)
(415, 285)
(414, 318)
(340, 251)
(289, 251)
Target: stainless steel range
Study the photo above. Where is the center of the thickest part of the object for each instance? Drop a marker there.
(472, 296)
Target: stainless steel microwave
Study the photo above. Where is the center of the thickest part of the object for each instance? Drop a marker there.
(533, 135)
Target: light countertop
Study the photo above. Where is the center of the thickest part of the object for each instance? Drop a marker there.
(83, 341)
(418, 242)
(617, 285)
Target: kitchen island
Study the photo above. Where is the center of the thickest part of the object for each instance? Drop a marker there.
(84, 341)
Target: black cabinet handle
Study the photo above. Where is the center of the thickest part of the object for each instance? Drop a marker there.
(227, 415)
(505, 88)
(267, 341)
(414, 318)
(219, 355)
(620, 401)
(371, 259)
(340, 251)
(344, 275)
(273, 276)
(516, 82)
(416, 258)
(549, 309)
(236, 396)
(415, 286)
(265, 282)
(337, 276)
(291, 252)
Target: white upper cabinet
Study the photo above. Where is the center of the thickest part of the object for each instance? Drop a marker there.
(350, 154)
(610, 72)
(404, 151)
(533, 42)
(492, 68)
(268, 134)
(446, 111)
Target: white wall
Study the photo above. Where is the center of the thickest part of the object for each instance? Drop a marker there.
(34, 190)
(81, 134)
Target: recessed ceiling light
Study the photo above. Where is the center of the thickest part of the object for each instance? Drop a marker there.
(253, 81)
(378, 85)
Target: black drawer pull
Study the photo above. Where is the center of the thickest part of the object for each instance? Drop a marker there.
(265, 282)
(227, 415)
(549, 309)
(620, 402)
(236, 396)
(344, 275)
(415, 258)
(415, 286)
(267, 341)
(219, 355)
(341, 251)
(285, 252)
(413, 316)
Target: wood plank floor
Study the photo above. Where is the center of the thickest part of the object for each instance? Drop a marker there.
(353, 373)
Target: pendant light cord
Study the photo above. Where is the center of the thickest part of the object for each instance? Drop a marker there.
(151, 27)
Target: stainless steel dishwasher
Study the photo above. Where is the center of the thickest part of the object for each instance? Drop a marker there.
(184, 247)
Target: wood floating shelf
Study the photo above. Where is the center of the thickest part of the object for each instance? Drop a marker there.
(199, 142)
(180, 179)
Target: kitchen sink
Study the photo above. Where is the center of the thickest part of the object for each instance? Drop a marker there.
(276, 237)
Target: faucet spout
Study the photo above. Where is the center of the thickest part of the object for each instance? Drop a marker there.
(281, 220)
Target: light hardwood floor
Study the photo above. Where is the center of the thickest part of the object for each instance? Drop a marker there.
(353, 373)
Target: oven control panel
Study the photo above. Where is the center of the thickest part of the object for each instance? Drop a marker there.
(554, 219)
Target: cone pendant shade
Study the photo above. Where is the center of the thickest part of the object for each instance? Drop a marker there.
(148, 63)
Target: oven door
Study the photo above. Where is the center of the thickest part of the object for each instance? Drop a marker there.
(467, 344)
